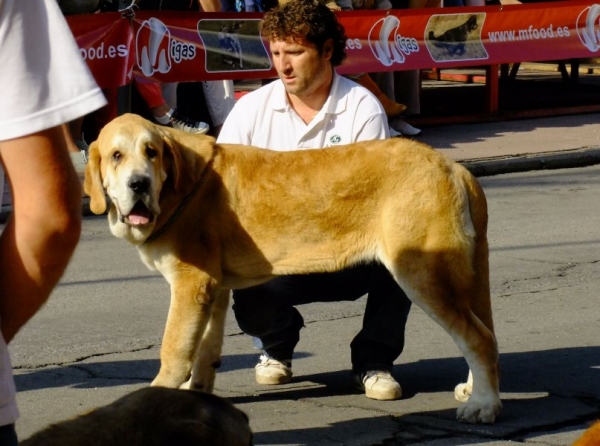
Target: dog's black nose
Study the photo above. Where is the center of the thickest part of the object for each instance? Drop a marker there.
(139, 184)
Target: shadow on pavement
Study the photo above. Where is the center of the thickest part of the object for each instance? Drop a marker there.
(541, 391)
(569, 370)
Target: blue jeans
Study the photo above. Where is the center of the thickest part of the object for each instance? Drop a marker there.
(268, 312)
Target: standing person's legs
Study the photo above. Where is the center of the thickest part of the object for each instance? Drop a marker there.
(408, 90)
(228, 6)
(163, 113)
(220, 99)
(169, 93)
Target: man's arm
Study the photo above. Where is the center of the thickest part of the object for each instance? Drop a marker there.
(236, 128)
(374, 121)
(41, 235)
(374, 127)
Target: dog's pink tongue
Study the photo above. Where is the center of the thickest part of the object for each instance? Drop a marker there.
(138, 219)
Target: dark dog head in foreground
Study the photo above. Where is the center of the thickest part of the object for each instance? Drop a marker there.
(153, 416)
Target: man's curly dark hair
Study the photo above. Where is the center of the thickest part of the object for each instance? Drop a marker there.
(306, 19)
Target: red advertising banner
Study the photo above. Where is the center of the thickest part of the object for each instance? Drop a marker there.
(106, 43)
(175, 46)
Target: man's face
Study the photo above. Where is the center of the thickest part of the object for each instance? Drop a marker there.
(300, 66)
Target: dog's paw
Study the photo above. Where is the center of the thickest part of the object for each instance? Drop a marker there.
(197, 386)
(470, 413)
(479, 412)
(186, 385)
(462, 392)
(203, 382)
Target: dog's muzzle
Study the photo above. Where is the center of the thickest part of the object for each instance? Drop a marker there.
(140, 214)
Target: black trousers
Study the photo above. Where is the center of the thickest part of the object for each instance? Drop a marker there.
(268, 312)
(8, 435)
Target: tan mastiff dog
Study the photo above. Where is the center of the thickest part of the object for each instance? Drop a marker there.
(212, 218)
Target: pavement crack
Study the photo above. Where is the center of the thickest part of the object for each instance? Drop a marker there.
(80, 359)
(531, 292)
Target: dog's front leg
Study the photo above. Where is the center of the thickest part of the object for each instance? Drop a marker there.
(208, 355)
(192, 297)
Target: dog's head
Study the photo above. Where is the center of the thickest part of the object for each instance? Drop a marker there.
(472, 23)
(132, 162)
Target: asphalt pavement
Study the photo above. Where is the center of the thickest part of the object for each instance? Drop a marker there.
(294, 415)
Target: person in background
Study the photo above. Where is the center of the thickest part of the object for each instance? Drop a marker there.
(382, 84)
(45, 84)
(163, 110)
(161, 99)
(309, 107)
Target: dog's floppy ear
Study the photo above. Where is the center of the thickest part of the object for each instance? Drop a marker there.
(182, 162)
(92, 184)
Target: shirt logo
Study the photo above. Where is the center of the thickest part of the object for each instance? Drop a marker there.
(335, 139)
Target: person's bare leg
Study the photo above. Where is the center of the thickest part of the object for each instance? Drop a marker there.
(43, 230)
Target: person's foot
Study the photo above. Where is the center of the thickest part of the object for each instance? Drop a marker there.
(403, 128)
(272, 372)
(379, 385)
(181, 122)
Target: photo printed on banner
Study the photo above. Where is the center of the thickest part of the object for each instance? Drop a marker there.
(233, 45)
(451, 37)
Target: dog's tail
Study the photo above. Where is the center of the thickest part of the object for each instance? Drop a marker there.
(475, 222)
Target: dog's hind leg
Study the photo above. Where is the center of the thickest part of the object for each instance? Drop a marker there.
(481, 306)
(444, 285)
(208, 355)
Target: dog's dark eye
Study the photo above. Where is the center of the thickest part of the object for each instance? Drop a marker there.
(151, 153)
(116, 156)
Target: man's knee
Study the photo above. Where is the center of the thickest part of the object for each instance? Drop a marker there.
(259, 318)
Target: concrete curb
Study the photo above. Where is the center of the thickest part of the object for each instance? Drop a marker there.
(582, 157)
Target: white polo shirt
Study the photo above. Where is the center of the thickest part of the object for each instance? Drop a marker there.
(264, 118)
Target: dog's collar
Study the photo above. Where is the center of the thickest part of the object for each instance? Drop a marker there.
(174, 215)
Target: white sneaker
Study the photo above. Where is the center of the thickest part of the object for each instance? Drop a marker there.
(379, 385)
(186, 124)
(393, 132)
(403, 127)
(272, 372)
